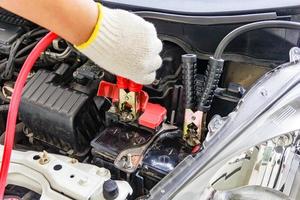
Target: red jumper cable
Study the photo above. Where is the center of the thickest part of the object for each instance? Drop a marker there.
(14, 106)
(152, 118)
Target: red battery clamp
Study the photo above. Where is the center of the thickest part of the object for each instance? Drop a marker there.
(147, 114)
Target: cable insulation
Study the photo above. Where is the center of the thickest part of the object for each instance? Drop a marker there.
(251, 27)
(14, 106)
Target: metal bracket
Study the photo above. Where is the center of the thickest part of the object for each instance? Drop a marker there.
(60, 177)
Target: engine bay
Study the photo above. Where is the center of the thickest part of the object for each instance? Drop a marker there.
(76, 110)
(73, 108)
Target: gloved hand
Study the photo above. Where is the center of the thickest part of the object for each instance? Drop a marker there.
(124, 44)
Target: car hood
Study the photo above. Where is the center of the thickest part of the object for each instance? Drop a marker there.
(208, 7)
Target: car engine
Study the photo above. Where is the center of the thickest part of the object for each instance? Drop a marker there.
(63, 112)
(73, 108)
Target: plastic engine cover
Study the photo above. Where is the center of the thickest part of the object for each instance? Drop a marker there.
(57, 115)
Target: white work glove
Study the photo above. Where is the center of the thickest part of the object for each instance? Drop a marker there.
(124, 44)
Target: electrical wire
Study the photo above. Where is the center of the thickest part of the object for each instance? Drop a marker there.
(250, 27)
(25, 49)
(215, 64)
(14, 106)
(7, 73)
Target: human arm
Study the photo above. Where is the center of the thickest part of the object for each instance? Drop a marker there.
(69, 20)
(119, 41)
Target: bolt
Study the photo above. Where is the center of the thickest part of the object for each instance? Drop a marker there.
(73, 161)
(44, 159)
(130, 117)
(102, 172)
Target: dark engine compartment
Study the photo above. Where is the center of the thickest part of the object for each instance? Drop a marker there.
(62, 112)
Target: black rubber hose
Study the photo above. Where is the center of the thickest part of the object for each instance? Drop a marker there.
(26, 49)
(250, 27)
(189, 67)
(215, 64)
